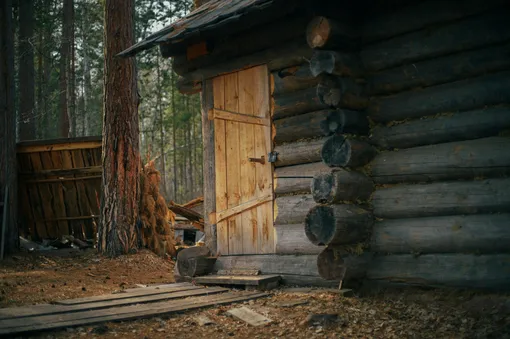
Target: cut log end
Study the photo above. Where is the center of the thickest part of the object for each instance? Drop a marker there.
(318, 32)
(339, 151)
(340, 185)
(322, 62)
(330, 265)
(320, 225)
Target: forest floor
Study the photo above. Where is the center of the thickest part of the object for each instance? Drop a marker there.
(411, 313)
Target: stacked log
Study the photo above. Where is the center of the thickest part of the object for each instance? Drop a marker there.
(439, 101)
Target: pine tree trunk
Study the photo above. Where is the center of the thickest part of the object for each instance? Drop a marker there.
(174, 136)
(118, 233)
(8, 174)
(161, 129)
(40, 83)
(63, 77)
(26, 74)
(71, 83)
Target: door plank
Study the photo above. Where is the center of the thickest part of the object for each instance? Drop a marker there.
(248, 169)
(235, 234)
(238, 117)
(220, 159)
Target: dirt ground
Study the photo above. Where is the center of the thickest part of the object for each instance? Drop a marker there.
(28, 279)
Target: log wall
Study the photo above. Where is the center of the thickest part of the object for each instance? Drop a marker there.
(439, 89)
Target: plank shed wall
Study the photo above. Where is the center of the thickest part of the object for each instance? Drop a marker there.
(60, 187)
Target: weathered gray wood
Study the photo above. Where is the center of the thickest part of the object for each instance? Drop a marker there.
(253, 318)
(234, 46)
(209, 173)
(484, 29)
(487, 157)
(134, 294)
(186, 265)
(293, 79)
(419, 15)
(339, 151)
(36, 324)
(448, 270)
(492, 89)
(299, 152)
(341, 185)
(292, 209)
(291, 239)
(282, 56)
(486, 233)
(326, 33)
(337, 224)
(441, 70)
(319, 124)
(200, 266)
(294, 269)
(335, 264)
(336, 63)
(434, 130)
(342, 92)
(445, 198)
(257, 280)
(298, 178)
(299, 102)
(39, 310)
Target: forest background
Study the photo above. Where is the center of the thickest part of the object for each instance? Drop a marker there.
(59, 73)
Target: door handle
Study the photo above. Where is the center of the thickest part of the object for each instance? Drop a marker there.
(261, 160)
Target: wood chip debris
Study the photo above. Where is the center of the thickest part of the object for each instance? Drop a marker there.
(251, 317)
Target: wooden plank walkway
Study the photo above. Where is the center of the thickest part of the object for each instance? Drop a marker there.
(135, 304)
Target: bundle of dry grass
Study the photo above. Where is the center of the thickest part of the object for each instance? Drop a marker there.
(157, 219)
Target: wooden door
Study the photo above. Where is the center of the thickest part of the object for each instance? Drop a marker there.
(244, 177)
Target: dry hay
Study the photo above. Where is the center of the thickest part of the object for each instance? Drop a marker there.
(157, 220)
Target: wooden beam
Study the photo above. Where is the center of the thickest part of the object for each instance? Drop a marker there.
(64, 172)
(222, 215)
(238, 117)
(43, 181)
(209, 171)
(84, 217)
(59, 144)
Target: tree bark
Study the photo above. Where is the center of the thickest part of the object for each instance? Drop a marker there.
(341, 185)
(118, 229)
(486, 233)
(319, 124)
(27, 114)
(487, 29)
(443, 270)
(337, 224)
(445, 198)
(338, 151)
(492, 89)
(300, 152)
(336, 63)
(161, 127)
(469, 125)
(292, 209)
(8, 171)
(324, 33)
(488, 157)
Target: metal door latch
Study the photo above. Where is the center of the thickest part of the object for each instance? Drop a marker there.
(260, 160)
(272, 156)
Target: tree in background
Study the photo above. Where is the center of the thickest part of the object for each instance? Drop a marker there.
(118, 232)
(27, 115)
(8, 175)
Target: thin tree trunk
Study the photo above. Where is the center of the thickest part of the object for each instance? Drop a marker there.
(40, 84)
(71, 82)
(174, 129)
(26, 71)
(161, 129)
(87, 85)
(118, 230)
(8, 173)
(191, 191)
(63, 77)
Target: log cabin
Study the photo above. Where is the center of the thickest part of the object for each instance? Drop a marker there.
(361, 141)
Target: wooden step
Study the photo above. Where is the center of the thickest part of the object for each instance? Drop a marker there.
(259, 282)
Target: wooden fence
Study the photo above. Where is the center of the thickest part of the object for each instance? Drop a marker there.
(59, 182)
